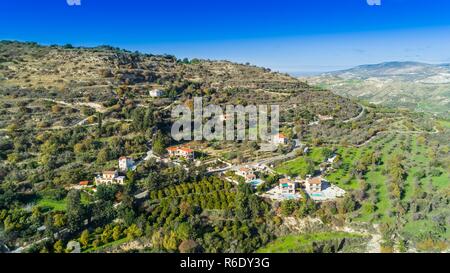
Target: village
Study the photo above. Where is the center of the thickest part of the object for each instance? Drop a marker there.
(313, 186)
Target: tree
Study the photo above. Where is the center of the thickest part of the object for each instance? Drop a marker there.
(106, 192)
(158, 143)
(58, 247)
(100, 123)
(58, 220)
(84, 239)
(103, 156)
(133, 232)
(188, 246)
(117, 233)
(75, 210)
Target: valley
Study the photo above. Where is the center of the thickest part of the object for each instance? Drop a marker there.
(87, 160)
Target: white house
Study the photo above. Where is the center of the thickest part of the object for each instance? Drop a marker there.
(126, 164)
(287, 186)
(279, 139)
(314, 185)
(109, 178)
(247, 173)
(156, 93)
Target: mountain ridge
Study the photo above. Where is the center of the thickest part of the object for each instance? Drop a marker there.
(414, 85)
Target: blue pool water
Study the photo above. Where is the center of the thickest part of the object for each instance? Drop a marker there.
(290, 196)
(255, 183)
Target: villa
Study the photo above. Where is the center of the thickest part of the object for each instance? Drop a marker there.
(279, 139)
(182, 152)
(126, 164)
(247, 173)
(109, 178)
(313, 185)
(287, 186)
(156, 93)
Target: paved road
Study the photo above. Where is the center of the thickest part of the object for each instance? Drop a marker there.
(358, 116)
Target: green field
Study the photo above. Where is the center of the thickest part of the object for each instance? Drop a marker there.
(304, 243)
(299, 165)
(416, 157)
(293, 167)
(56, 205)
(60, 205)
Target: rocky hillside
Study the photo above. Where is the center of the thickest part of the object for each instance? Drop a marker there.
(418, 86)
(94, 75)
(29, 65)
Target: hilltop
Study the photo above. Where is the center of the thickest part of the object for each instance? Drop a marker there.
(94, 76)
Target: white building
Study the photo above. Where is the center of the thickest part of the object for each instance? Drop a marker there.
(279, 139)
(109, 178)
(126, 164)
(313, 185)
(247, 173)
(156, 93)
(287, 186)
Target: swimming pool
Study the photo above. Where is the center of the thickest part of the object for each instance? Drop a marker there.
(317, 194)
(255, 183)
(291, 196)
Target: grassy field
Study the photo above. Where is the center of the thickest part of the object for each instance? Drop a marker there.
(110, 244)
(60, 205)
(304, 242)
(299, 165)
(417, 158)
(293, 167)
(56, 205)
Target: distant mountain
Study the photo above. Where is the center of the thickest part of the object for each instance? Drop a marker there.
(413, 85)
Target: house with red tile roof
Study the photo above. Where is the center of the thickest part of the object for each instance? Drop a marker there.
(313, 185)
(279, 139)
(183, 152)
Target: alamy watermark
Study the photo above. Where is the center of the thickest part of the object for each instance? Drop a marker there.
(234, 123)
(374, 2)
(73, 2)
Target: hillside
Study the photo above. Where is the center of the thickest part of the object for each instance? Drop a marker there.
(417, 86)
(94, 77)
(69, 116)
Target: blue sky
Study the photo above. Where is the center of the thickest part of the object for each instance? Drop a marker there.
(285, 35)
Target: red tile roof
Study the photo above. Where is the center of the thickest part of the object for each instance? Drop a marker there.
(84, 183)
(187, 150)
(285, 180)
(315, 181)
